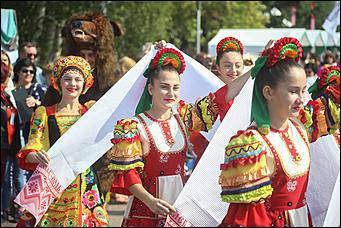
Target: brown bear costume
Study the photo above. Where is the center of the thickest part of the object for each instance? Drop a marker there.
(91, 30)
(94, 31)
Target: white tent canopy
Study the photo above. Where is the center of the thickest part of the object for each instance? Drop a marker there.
(328, 41)
(254, 40)
(315, 37)
(318, 43)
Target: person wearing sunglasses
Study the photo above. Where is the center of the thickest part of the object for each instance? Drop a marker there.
(24, 75)
(28, 50)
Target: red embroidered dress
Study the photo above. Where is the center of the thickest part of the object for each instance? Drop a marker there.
(159, 167)
(264, 178)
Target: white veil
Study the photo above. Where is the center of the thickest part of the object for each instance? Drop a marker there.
(89, 138)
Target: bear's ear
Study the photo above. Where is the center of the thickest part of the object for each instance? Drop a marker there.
(118, 30)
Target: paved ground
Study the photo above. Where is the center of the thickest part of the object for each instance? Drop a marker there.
(115, 212)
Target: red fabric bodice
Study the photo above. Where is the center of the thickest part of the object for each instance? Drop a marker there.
(288, 193)
(163, 164)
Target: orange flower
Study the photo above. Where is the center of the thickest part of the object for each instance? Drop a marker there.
(174, 63)
(289, 53)
(230, 45)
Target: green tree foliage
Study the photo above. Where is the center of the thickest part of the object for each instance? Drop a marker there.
(303, 12)
(42, 21)
(142, 21)
(230, 14)
(183, 25)
(149, 21)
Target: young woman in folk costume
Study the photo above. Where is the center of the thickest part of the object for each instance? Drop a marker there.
(265, 173)
(230, 66)
(150, 148)
(315, 90)
(81, 203)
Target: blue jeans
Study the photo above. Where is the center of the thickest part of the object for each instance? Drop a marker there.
(14, 181)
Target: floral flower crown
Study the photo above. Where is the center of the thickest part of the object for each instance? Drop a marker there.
(328, 75)
(287, 47)
(75, 64)
(229, 43)
(164, 57)
(328, 83)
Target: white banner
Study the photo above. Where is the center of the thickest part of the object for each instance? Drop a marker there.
(333, 20)
(89, 138)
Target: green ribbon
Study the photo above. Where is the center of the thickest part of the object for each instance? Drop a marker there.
(217, 60)
(260, 62)
(314, 89)
(258, 108)
(145, 102)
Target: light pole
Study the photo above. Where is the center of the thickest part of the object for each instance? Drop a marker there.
(104, 7)
(198, 26)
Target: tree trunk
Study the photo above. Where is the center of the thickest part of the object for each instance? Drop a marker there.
(59, 40)
(41, 12)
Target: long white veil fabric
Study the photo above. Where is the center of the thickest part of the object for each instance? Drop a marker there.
(199, 203)
(89, 138)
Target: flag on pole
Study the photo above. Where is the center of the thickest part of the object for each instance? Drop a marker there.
(312, 19)
(293, 15)
(333, 20)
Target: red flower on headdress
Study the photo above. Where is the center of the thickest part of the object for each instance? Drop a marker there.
(329, 74)
(229, 43)
(287, 47)
(169, 55)
(267, 52)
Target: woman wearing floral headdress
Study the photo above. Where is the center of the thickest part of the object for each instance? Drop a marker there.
(265, 172)
(81, 203)
(150, 148)
(230, 65)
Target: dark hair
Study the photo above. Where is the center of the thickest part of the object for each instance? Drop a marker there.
(19, 65)
(272, 75)
(227, 51)
(205, 59)
(26, 44)
(328, 54)
(4, 72)
(154, 73)
(311, 66)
